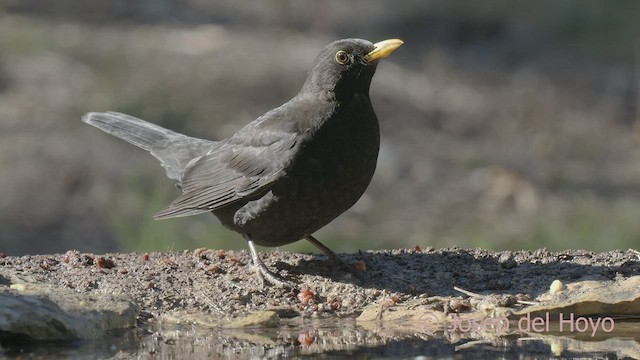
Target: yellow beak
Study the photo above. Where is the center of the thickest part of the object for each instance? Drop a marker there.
(383, 49)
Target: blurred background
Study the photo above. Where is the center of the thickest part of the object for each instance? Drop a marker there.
(505, 124)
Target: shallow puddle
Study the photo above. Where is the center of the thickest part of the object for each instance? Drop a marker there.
(311, 338)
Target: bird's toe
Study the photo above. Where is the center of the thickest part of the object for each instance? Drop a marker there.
(264, 273)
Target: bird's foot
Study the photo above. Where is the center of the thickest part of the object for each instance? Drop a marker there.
(346, 267)
(264, 273)
(334, 258)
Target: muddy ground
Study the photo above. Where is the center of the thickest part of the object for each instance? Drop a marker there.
(223, 282)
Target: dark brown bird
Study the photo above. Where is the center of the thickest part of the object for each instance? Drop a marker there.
(289, 172)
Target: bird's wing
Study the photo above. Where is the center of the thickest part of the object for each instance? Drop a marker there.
(242, 166)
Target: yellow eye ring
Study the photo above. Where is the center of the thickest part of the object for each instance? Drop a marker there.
(342, 57)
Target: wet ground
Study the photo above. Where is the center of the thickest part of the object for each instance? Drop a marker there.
(210, 303)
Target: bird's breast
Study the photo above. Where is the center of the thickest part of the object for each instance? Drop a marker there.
(331, 171)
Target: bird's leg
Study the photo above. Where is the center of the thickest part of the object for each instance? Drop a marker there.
(263, 272)
(332, 256)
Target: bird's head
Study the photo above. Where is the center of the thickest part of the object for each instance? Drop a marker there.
(346, 66)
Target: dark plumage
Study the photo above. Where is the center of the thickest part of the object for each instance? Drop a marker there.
(289, 172)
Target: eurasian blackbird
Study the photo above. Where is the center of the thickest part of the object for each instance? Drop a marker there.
(289, 172)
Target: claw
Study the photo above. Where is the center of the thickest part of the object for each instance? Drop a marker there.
(264, 273)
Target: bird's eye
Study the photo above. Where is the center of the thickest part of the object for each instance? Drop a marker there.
(342, 57)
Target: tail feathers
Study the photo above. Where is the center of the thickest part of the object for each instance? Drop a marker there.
(133, 130)
(174, 150)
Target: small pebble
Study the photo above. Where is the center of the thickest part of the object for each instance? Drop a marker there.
(556, 287)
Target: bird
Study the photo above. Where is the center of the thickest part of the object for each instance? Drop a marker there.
(289, 172)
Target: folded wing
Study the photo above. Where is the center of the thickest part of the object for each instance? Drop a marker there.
(242, 166)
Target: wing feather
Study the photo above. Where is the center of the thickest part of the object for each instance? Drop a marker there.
(251, 161)
(229, 174)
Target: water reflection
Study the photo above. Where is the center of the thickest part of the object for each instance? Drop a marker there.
(311, 338)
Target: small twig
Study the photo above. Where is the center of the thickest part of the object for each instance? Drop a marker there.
(471, 344)
(528, 339)
(469, 293)
(525, 302)
(207, 299)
